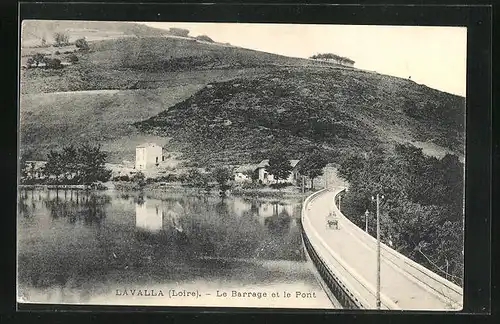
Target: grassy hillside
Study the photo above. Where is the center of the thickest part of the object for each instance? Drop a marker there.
(51, 120)
(147, 62)
(32, 31)
(296, 108)
(255, 101)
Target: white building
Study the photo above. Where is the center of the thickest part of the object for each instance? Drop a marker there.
(148, 155)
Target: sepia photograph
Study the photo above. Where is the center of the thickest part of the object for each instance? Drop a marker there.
(197, 164)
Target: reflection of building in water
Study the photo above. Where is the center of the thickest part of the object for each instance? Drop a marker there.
(173, 216)
(149, 216)
(268, 210)
(240, 206)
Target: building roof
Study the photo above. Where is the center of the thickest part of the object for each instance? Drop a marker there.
(265, 163)
(147, 145)
(245, 167)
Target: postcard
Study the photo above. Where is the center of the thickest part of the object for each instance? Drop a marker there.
(241, 165)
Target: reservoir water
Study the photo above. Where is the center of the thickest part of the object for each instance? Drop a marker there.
(176, 249)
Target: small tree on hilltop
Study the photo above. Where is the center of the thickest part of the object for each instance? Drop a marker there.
(279, 166)
(61, 39)
(312, 165)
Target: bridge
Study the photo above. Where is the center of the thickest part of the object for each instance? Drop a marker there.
(346, 264)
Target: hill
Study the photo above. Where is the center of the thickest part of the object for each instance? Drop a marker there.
(216, 102)
(298, 108)
(147, 62)
(32, 31)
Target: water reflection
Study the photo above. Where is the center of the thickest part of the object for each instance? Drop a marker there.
(235, 227)
(86, 206)
(70, 238)
(149, 218)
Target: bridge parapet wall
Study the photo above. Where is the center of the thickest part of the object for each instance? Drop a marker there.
(447, 290)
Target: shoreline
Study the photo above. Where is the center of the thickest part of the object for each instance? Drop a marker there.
(178, 188)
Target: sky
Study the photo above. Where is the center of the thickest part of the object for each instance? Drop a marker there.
(434, 56)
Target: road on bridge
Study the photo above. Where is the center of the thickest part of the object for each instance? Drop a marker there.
(399, 288)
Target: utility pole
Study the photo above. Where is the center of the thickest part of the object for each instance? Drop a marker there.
(340, 197)
(303, 184)
(366, 221)
(447, 266)
(378, 249)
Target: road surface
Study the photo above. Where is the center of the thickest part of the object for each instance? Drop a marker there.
(352, 254)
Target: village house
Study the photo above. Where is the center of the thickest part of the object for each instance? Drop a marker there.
(148, 155)
(241, 173)
(34, 169)
(265, 177)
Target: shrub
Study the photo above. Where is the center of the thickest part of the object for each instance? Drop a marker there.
(82, 44)
(53, 63)
(122, 178)
(73, 58)
(139, 179)
(280, 185)
(251, 185)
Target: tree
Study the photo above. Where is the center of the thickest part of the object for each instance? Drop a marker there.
(82, 44)
(139, 180)
(198, 179)
(350, 166)
(54, 167)
(92, 164)
(252, 174)
(312, 165)
(222, 176)
(61, 39)
(279, 166)
(70, 163)
(84, 165)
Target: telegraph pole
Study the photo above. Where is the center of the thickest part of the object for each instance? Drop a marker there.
(378, 251)
(366, 221)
